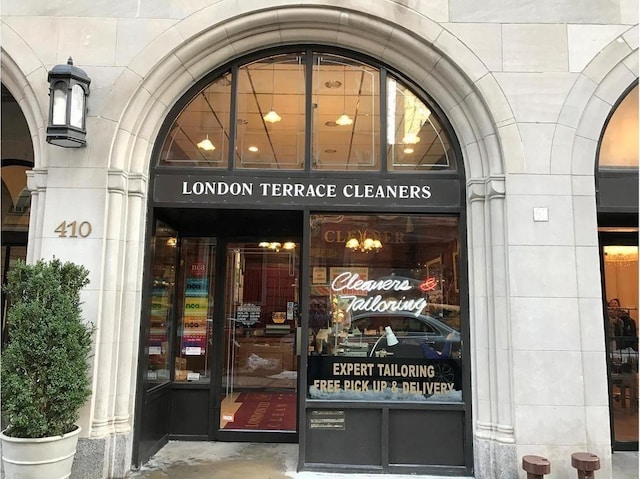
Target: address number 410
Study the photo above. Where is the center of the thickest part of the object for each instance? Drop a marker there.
(73, 229)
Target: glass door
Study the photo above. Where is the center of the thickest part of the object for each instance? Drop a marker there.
(259, 372)
(621, 293)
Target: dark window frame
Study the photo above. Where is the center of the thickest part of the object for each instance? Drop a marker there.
(311, 50)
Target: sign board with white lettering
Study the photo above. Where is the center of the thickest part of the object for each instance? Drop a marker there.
(404, 191)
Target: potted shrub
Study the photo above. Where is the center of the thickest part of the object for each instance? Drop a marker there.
(45, 368)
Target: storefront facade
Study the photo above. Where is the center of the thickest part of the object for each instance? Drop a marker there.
(233, 292)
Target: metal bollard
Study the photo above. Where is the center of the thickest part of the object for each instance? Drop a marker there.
(536, 466)
(585, 463)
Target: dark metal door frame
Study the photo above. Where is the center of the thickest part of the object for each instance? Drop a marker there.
(217, 364)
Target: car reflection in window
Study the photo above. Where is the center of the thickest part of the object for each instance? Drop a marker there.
(418, 337)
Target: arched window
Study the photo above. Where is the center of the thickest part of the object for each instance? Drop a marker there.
(306, 110)
(617, 186)
(619, 147)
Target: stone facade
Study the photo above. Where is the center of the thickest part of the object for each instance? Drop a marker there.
(527, 86)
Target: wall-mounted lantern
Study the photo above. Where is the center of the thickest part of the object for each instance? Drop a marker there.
(68, 92)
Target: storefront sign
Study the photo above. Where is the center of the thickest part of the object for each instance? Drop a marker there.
(408, 377)
(350, 281)
(239, 190)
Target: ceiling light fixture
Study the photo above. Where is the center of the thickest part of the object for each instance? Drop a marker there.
(206, 144)
(253, 149)
(344, 120)
(276, 246)
(359, 241)
(272, 116)
(408, 151)
(410, 139)
(333, 84)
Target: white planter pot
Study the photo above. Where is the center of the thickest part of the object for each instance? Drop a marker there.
(46, 457)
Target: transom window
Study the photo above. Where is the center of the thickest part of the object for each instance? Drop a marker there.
(308, 111)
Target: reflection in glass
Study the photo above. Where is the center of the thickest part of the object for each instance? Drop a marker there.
(415, 139)
(385, 324)
(346, 109)
(16, 198)
(59, 114)
(77, 106)
(270, 125)
(206, 117)
(195, 321)
(161, 316)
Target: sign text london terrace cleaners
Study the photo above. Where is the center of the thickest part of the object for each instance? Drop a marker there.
(301, 190)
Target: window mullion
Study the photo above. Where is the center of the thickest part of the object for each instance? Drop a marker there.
(308, 113)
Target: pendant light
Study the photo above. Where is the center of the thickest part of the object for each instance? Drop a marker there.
(272, 116)
(344, 120)
(206, 144)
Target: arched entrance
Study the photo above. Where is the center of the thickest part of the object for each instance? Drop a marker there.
(17, 159)
(307, 209)
(482, 143)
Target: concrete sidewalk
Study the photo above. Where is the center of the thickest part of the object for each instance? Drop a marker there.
(226, 460)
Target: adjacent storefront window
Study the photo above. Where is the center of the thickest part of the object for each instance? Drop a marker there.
(384, 319)
(619, 148)
(621, 289)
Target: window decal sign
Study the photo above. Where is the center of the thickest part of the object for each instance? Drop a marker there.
(335, 377)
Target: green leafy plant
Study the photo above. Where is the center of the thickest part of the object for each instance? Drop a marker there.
(45, 365)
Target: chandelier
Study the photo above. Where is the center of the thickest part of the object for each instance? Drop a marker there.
(363, 243)
(275, 246)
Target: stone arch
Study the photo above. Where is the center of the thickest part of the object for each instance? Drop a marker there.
(590, 102)
(472, 100)
(20, 87)
(18, 84)
(455, 78)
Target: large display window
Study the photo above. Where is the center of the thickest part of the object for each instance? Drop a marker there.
(384, 319)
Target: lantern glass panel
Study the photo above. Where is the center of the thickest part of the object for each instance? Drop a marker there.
(77, 106)
(59, 113)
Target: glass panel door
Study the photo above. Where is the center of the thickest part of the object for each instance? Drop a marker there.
(162, 295)
(259, 380)
(621, 289)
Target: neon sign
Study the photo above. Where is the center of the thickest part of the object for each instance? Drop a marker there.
(429, 284)
(350, 281)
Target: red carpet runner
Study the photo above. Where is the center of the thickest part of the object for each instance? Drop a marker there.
(265, 411)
